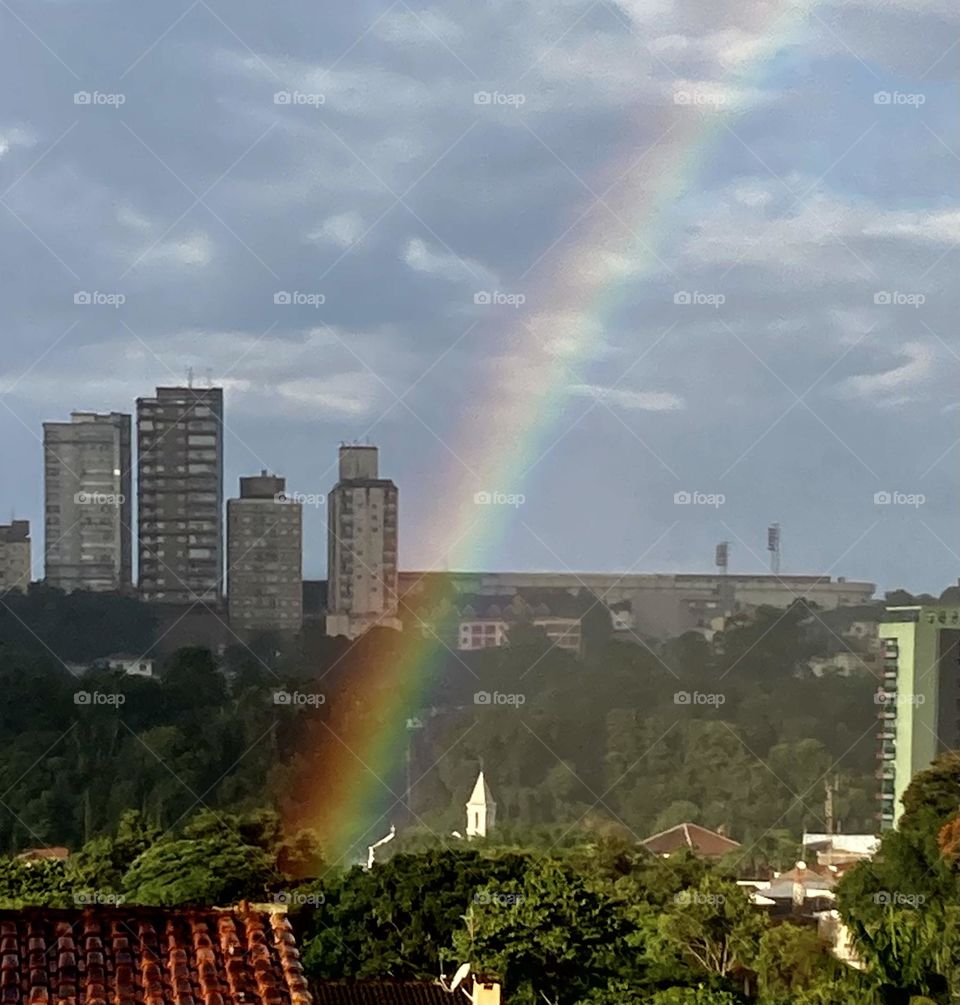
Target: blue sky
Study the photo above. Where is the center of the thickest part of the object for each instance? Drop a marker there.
(184, 187)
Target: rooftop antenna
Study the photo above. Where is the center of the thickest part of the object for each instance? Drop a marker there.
(209, 376)
(190, 376)
(773, 546)
(722, 556)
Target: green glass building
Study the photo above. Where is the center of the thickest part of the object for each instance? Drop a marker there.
(918, 705)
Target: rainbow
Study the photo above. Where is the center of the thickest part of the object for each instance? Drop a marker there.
(351, 784)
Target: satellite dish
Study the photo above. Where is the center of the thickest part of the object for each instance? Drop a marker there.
(458, 977)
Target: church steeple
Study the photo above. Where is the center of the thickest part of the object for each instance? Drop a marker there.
(481, 809)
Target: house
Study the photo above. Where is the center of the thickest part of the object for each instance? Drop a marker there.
(57, 852)
(205, 956)
(133, 666)
(150, 956)
(802, 891)
(702, 842)
(841, 850)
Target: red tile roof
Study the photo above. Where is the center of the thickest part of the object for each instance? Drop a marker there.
(382, 993)
(698, 839)
(146, 956)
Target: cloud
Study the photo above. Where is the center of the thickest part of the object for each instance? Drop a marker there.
(342, 230)
(893, 387)
(635, 401)
(421, 257)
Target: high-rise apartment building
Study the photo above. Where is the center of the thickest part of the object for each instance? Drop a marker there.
(180, 467)
(87, 501)
(265, 556)
(361, 546)
(918, 706)
(15, 556)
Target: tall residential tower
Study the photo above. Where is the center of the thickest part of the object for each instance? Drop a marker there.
(919, 703)
(15, 556)
(88, 505)
(264, 556)
(180, 465)
(361, 546)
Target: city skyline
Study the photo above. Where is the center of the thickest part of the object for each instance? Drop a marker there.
(804, 257)
(755, 549)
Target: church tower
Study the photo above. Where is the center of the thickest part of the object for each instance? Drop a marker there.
(481, 809)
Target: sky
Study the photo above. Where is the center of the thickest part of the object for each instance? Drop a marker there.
(592, 258)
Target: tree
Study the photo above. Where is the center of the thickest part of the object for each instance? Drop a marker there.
(547, 934)
(714, 926)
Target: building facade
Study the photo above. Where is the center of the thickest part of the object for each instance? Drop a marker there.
(88, 509)
(656, 605)
(361, 546)
(180, 499)
(15, 558)
(918, 706)
(265, 557)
